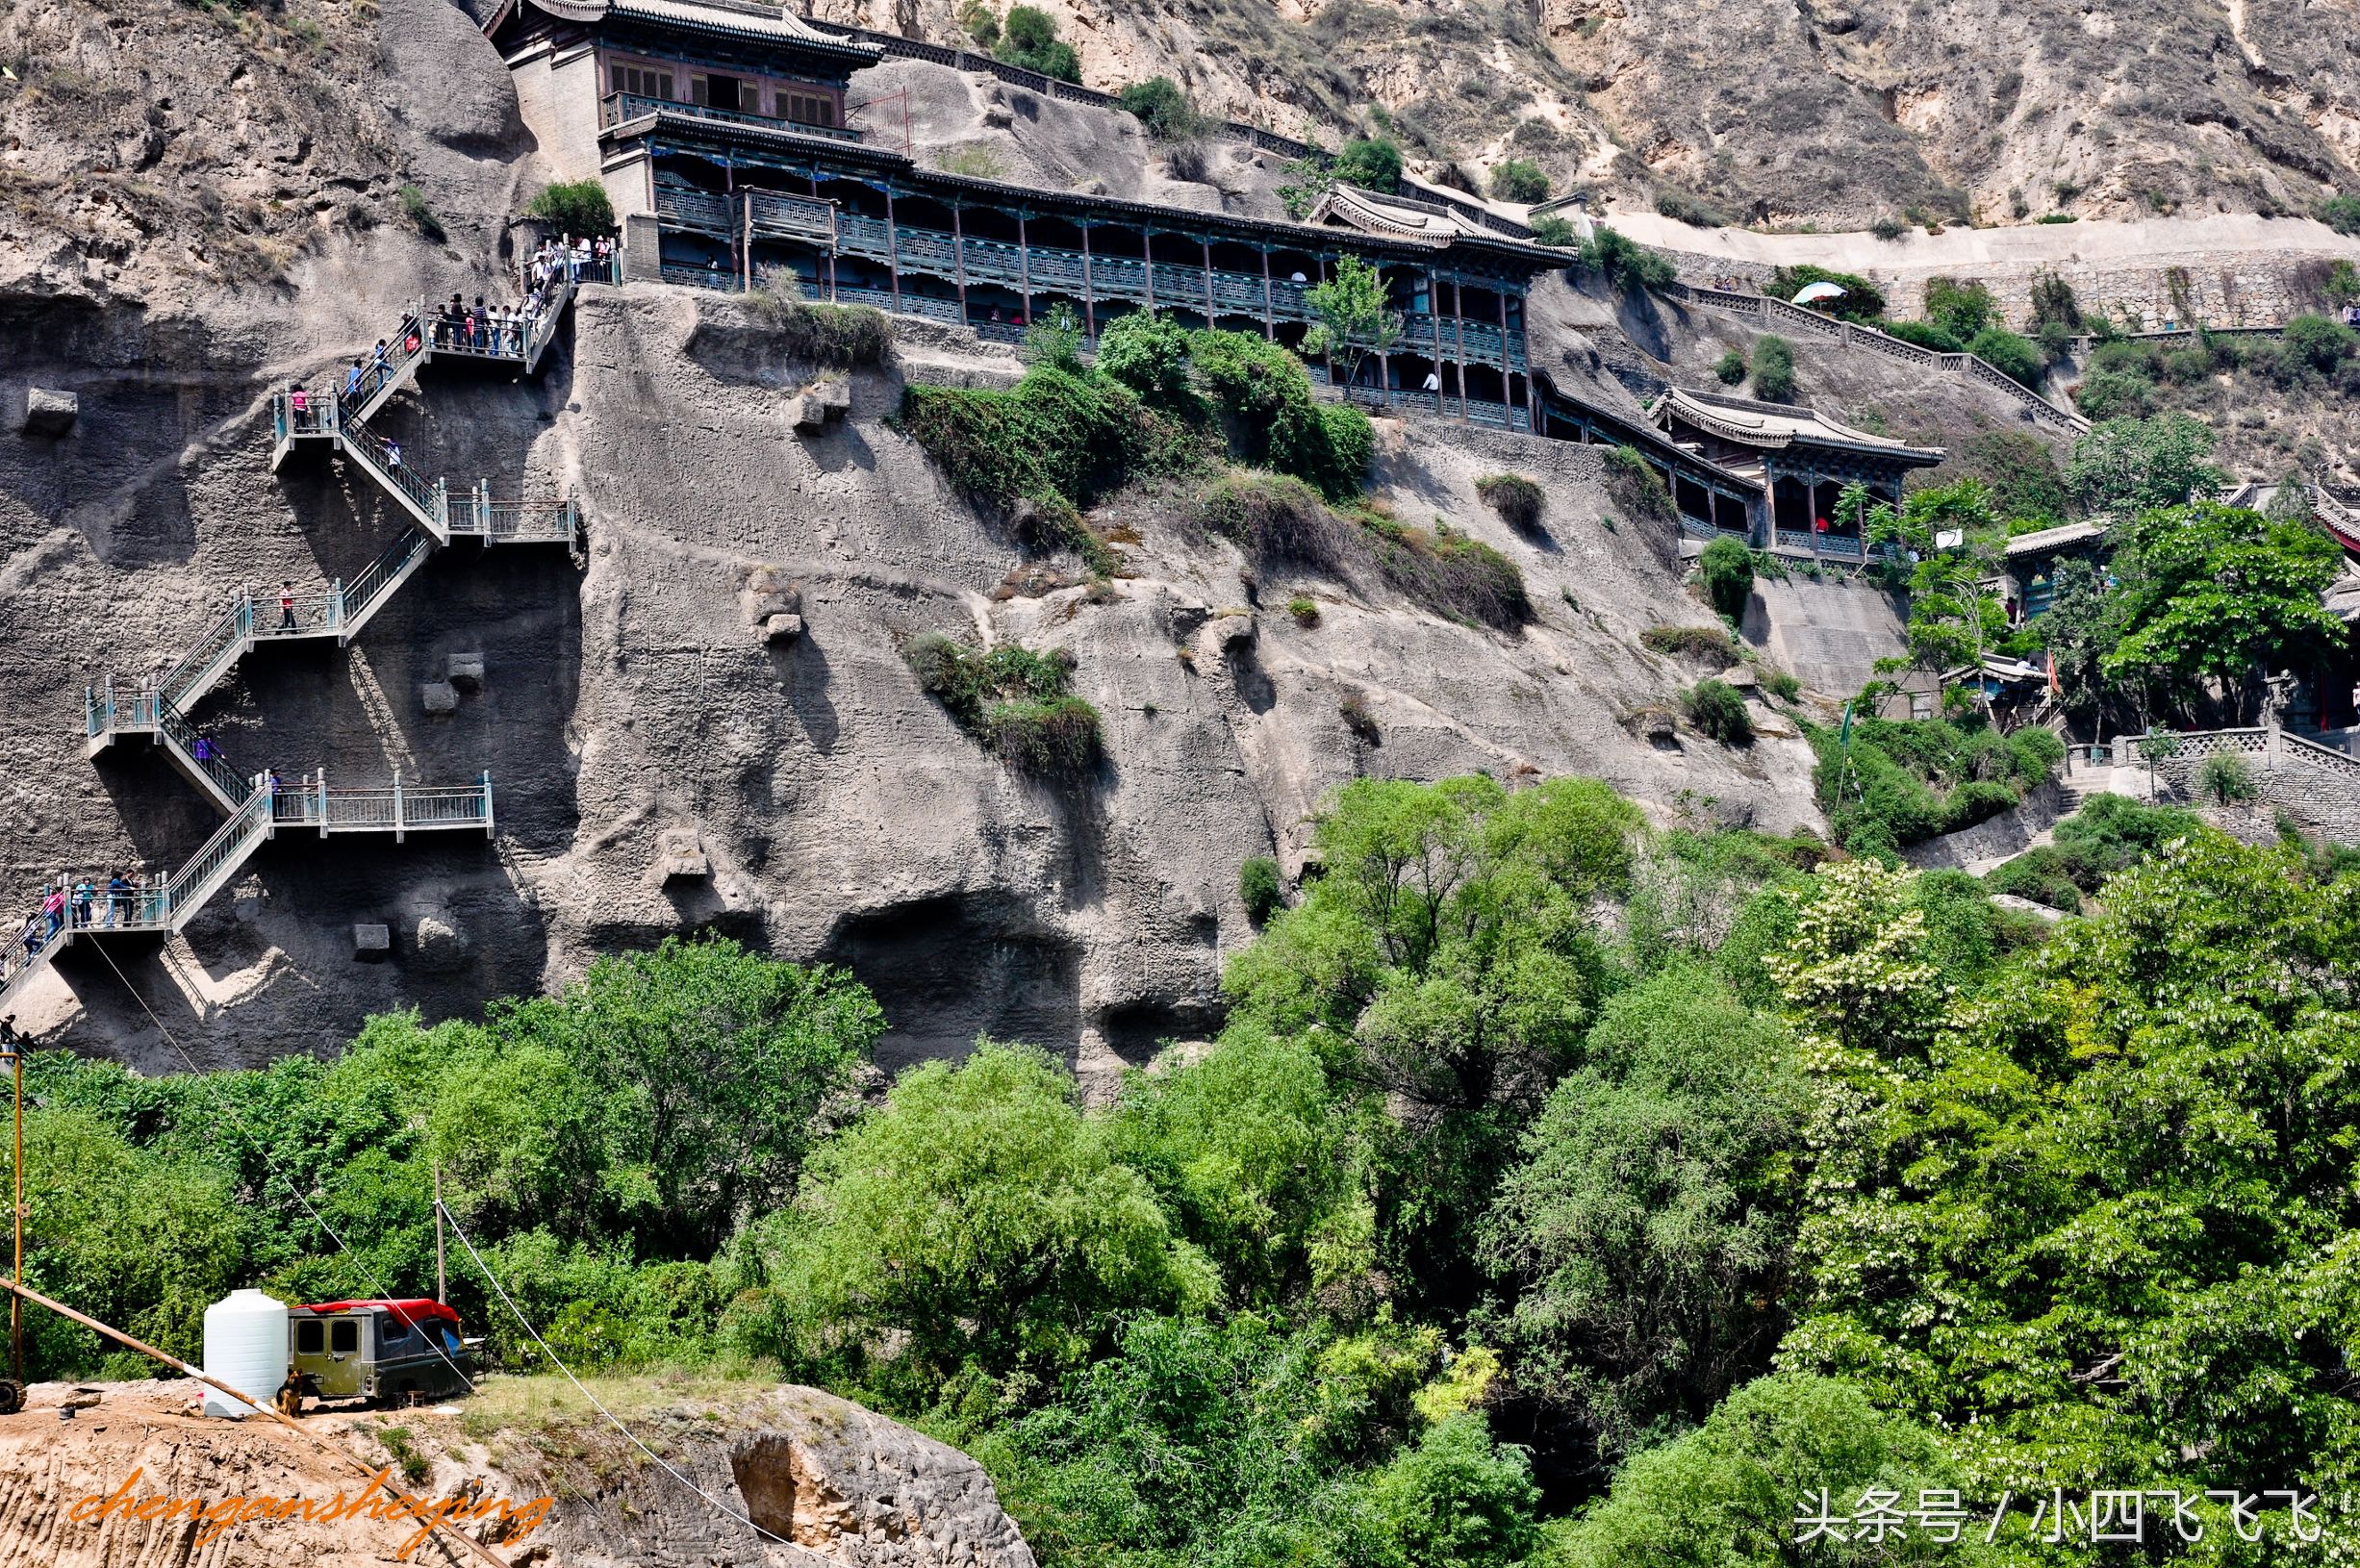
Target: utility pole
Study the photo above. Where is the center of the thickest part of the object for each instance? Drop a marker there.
(13, 1395)
(439, 1285)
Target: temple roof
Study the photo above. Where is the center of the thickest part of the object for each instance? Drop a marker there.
(1777, 425)
(720, 18)
(1350, 206)
(682, 128)
(2045, 540)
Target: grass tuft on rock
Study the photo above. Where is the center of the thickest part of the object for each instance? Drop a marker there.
(1018, 703)
(1519, 501)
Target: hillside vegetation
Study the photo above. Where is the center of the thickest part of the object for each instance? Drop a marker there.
(1536, 1199)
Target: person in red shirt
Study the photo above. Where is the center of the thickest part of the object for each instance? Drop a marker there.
(287, 606)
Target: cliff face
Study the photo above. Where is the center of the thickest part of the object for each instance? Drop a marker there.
(627, 712)
(1828, 113)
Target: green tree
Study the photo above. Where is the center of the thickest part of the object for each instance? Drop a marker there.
(708, 1065)
(1448, 960)
(1728, 568)
(2133, 465)
(2211, 592)
(1457, 1500)
(1727, 1494)
(575, 206)
(1029, 38)
(1773, 368)
(1371, 163)
(1960, 310)
(1356, 316)
(1520, 180)
(1149, 353)
(1954, 616)
(982, 1216)
(1860, 300)
(1164, 107)
(2014, 357)
(1651, 1216)
(2010, 1230)
(1249, 1147)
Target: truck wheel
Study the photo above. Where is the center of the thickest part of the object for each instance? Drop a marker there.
(12, 1396)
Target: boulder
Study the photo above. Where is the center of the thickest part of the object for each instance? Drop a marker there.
(782, 628)
(50, 413)
(466, 672)
(439, 696)
(441, 946)
(819, 408)
(681, 857)
(372, 941)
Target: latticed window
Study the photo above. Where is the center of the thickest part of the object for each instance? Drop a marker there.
(641, 82)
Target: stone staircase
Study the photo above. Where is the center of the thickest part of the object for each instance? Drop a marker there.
(255, 809)
(2316, 783)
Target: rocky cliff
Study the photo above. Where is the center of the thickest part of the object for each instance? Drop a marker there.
(1828, 113)
(830, 1482)
(634, 723)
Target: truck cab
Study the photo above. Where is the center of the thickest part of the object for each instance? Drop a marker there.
(382, 1351)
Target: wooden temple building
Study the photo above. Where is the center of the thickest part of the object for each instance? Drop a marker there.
(729, 139)
(1796, 460)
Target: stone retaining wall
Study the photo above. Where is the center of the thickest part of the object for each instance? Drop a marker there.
(2223, 272)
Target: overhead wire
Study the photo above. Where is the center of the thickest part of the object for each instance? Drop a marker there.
(376, 1282)
(612, 1418)
(489, 1278)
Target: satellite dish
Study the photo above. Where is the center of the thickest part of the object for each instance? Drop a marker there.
(1813, 293)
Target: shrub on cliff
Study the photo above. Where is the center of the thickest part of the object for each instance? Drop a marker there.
(1264, 396)
(1635, 486)
(1625, 263)
(1164, 107)
(1028, 38)
(575, 206)
(1728, 570)
(1517, 500)
(1519, 178)
(1773, 370)
(1716, 709)
(1860, 301)
(1018, 703)
(1447, 570)
(841, 337)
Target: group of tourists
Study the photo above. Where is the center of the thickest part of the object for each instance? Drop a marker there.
(69, 903)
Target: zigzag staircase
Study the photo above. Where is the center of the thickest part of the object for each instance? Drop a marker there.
(155, 710)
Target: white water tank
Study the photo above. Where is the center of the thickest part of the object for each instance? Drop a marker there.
(245, 1347)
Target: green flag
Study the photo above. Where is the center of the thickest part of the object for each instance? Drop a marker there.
(1845, 737)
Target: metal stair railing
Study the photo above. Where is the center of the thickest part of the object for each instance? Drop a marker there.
(404, 352)
(428, 501)
(179, 734)
(218, 647)
(362, 597)
(169, 905)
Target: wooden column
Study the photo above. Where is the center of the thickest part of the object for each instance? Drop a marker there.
(1204, 248)
(1328, 359)
(1270, 324)
(1434, 313)
(1147, 263)
(1458, 339)
(893, 251)
(832, 240)
(1501, 294)
(1089, 290)
(958, 259)
(1024, 267)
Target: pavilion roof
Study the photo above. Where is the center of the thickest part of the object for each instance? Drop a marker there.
(1772, 426)
(739, 19)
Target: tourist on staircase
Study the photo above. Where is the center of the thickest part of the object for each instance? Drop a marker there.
(83, 895)
(287, 605)
(119, 899)
(53, 905)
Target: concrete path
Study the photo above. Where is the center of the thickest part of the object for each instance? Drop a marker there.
(2085, 243)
